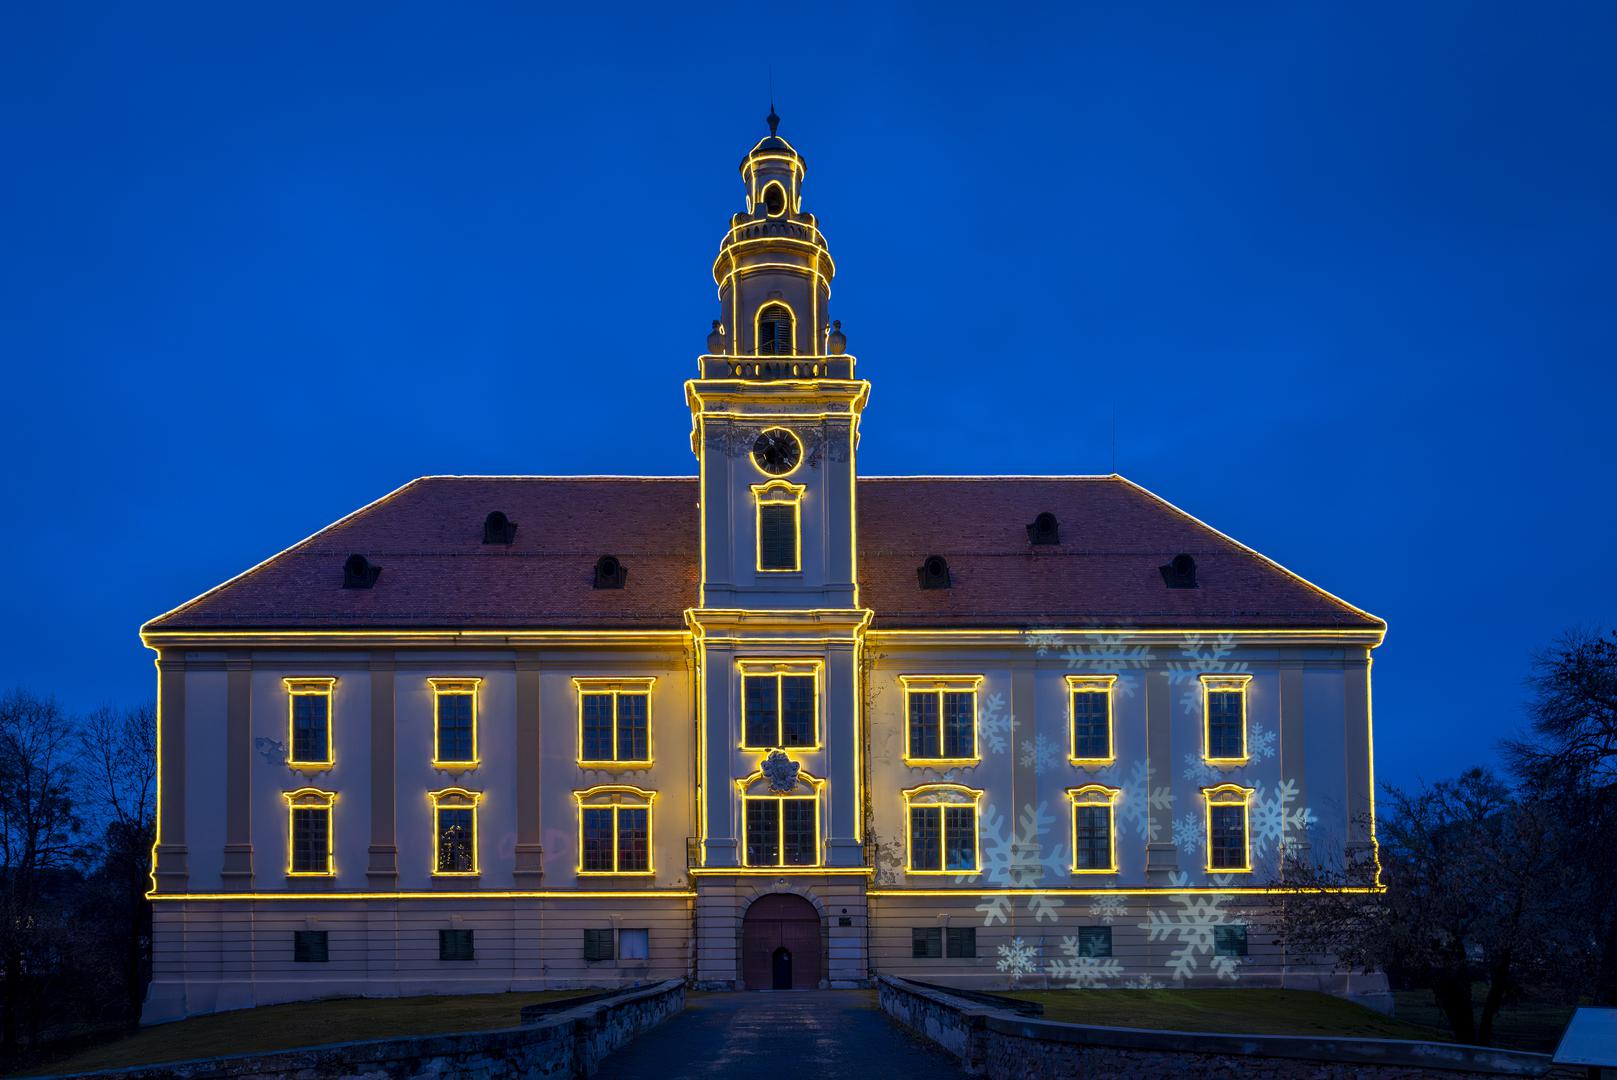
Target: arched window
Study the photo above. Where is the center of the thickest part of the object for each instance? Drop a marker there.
(780, 814)
(309, 845)
(775, 331)
(779, 523)
(1229, 846)
(940, 829)
(454, 830)
(614, 830)
(1094, 833)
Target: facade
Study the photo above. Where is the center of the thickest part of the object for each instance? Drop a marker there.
(776, 725)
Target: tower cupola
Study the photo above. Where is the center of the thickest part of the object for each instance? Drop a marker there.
(774, 268)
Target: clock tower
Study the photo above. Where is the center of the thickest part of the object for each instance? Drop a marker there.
(779, 627)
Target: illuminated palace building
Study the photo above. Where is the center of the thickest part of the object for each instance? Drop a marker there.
(775, 725)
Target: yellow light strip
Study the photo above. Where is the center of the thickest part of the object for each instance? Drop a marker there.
(938, 686)
(782, 871)
(1222, 684)
(458, 686)
(644, 800)
(1090, 684)
(972, 892)
(442, 894)
(1230, 795)
(615, 688)
(1095, 795)
(927, 792)
(322, 686)
(310, 798)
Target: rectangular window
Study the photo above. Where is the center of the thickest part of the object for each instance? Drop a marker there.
(1091, 704)
(455, 945)
(1226, 836)
(943, 838)
(1229, 940)
(309, 947)
(1094, 941)
(311, 839)
(779, 710)
(1224, 704)
(457, 839)
(782, 831)
(634, 944)
(963, 942)
(614, 839)
(926, 942)
(598, 945)
(309, 705)
(614, 723)
(777, 536)
(942, 725)
(1092, 836)
(454, 721)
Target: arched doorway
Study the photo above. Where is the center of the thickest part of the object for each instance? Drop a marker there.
(780, 944)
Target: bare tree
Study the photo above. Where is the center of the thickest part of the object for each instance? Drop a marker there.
(39, 841)
(1573, 755)
(118, 751)
(1477, 893)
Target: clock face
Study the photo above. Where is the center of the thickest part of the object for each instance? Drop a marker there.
(777, 451)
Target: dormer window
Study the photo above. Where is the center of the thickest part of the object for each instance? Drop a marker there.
(775, 330)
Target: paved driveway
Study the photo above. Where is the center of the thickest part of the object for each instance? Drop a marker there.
(814, 1034)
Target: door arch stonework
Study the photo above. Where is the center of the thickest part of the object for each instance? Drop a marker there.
(778, 921)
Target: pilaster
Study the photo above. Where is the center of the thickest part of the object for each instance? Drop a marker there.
(529, 856)
(1356, 752)
(170, 870)
(1293, 743)
(382, 867)
(1161, 854)
(237, 871)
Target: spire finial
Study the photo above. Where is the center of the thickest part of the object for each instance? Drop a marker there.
(774, 121)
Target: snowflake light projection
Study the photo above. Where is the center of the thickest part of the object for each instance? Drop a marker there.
(1020, 854)
(995, 724)
(1204, 655)
(1042, 755)
(1191, 924)
(1140, 796)
(1187, 833)
(1276, 823)
(1018, 958)
(1108, 909)
(1080, 972)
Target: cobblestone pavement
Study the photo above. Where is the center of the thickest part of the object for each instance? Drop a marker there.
(813, 1034)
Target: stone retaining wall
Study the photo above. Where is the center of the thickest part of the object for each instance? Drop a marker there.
(1001, 1045)
(565, 1044)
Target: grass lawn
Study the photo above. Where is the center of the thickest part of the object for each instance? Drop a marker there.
(306, 1023)
(1239, 1011)
(1524, 1026)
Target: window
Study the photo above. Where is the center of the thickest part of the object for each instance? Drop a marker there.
(309, 719)
(456, 945)
(309, 832)
(454, 814)
(1094, 840)
(598, 944)
(1224, 713)
(309, 947)
(780, 824)
(774, 199)
(779, 705)
(926, 942)
(779, 505)
(1091, 703)
(942, 727)
(963, 942)
(614, 722)
(941, 820)
(1094, 941)
(775, 326)
(634, 944)
(1229, 940)
(454, 722)
(614, 830)
(1227, 847)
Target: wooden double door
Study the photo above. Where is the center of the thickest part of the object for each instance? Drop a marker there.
(781, 946)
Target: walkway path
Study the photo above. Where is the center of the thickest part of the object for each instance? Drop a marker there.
(820, 1034)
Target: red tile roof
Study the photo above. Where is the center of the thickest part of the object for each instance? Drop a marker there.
(437, 573)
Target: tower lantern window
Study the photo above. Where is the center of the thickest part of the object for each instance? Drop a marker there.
(774, 199)
(775, 331)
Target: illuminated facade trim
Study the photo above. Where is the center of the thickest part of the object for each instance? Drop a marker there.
(775, 670)
(615, 799)
(315, 805)
(774, 495)
(614, 690)
(939, 688)
(1094, 796)
(757, 789)
(936, 800)
(1217, 690)
(458, 801)
(1226, 797)
(1102, 687)
(450, 691)
(322, 688)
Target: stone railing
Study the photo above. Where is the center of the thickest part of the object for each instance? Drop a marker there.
(567, 1042)
(1000, 1044)
(770, 368)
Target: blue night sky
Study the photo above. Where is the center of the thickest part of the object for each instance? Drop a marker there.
(1345, 274)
